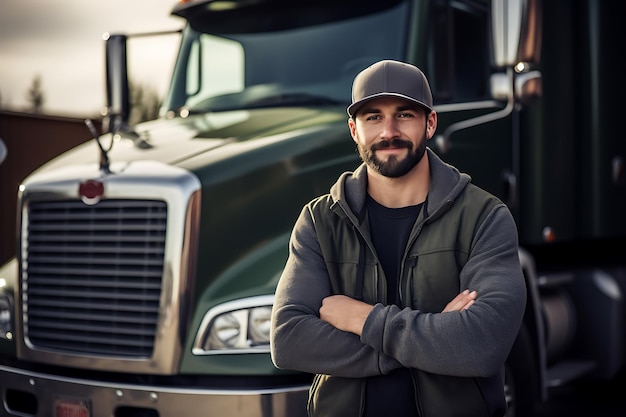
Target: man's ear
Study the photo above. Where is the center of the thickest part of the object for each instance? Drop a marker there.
(352, 127)
(431, 124)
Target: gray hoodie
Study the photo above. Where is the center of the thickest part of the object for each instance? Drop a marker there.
(464, 238)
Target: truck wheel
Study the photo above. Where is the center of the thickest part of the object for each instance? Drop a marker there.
(520, 377)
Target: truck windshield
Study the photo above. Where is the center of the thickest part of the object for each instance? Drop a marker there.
(305, 65)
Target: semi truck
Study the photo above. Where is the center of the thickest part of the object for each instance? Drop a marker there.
(146, 259)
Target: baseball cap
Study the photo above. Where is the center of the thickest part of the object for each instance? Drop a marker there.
(390, 79)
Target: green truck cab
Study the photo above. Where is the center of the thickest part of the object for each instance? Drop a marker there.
(147, 259)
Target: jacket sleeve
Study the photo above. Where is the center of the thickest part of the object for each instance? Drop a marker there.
(472, 343)
(300, 340)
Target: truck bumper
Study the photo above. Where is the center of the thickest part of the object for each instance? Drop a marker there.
(26, 393)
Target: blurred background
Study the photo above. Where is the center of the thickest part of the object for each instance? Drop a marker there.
(52, 52)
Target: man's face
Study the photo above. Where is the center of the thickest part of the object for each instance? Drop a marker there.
(391, 135)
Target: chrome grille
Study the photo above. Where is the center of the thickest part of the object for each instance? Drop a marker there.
(93, 275)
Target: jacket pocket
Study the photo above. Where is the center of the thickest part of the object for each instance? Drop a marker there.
(433, 280)
(448, 396)
(331, 396)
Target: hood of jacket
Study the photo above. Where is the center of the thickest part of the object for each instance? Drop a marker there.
(350, 190)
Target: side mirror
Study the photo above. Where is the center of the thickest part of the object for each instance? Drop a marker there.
(527, 86)
(118, 95)
(3, 151)
(515, 31)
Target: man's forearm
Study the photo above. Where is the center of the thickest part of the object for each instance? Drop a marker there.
(349, 315)
(345, 313)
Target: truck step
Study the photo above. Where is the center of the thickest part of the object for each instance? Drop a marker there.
(563, 372)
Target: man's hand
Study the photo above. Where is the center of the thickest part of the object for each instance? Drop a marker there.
(349, 315)
(461, 302)
(345, 313)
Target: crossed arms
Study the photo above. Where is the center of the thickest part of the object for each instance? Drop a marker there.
(349, 315)
(316, 331)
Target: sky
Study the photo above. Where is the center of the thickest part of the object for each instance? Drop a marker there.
(60, 41)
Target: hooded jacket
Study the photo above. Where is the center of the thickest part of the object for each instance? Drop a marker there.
(464, 238)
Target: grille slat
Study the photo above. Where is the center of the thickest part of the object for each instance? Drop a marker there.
(93, 274)
(91, 328)
(96, 260)
(63, 228)
(89, 271)
(50, 314)
(101, 239)
(67, 294)
(100, 249)
(98, 341)
(91, 306)
(127, 283)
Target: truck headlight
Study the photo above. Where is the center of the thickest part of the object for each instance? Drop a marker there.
(240, 326)
(6, 316)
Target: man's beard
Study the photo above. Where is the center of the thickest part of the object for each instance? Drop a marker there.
(392, 167)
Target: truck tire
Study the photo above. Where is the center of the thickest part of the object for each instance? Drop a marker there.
(521, 379)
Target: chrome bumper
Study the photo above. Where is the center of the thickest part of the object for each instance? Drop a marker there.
(26, 393)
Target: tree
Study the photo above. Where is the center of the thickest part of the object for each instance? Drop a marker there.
(35, 96)
(144, 103)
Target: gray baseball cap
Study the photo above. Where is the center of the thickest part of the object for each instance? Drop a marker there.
(390, 79)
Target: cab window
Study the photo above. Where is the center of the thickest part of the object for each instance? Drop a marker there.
(458, 51)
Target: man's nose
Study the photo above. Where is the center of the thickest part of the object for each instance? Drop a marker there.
(389, 129)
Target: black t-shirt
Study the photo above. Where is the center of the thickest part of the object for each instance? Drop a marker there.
(392, 394)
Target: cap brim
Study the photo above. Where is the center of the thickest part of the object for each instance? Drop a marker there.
(354, 107)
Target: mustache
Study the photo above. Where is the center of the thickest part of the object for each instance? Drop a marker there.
(393, 143)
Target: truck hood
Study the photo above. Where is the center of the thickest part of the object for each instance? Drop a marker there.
(173, 141)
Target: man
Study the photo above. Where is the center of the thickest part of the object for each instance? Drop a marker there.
(403, 291)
